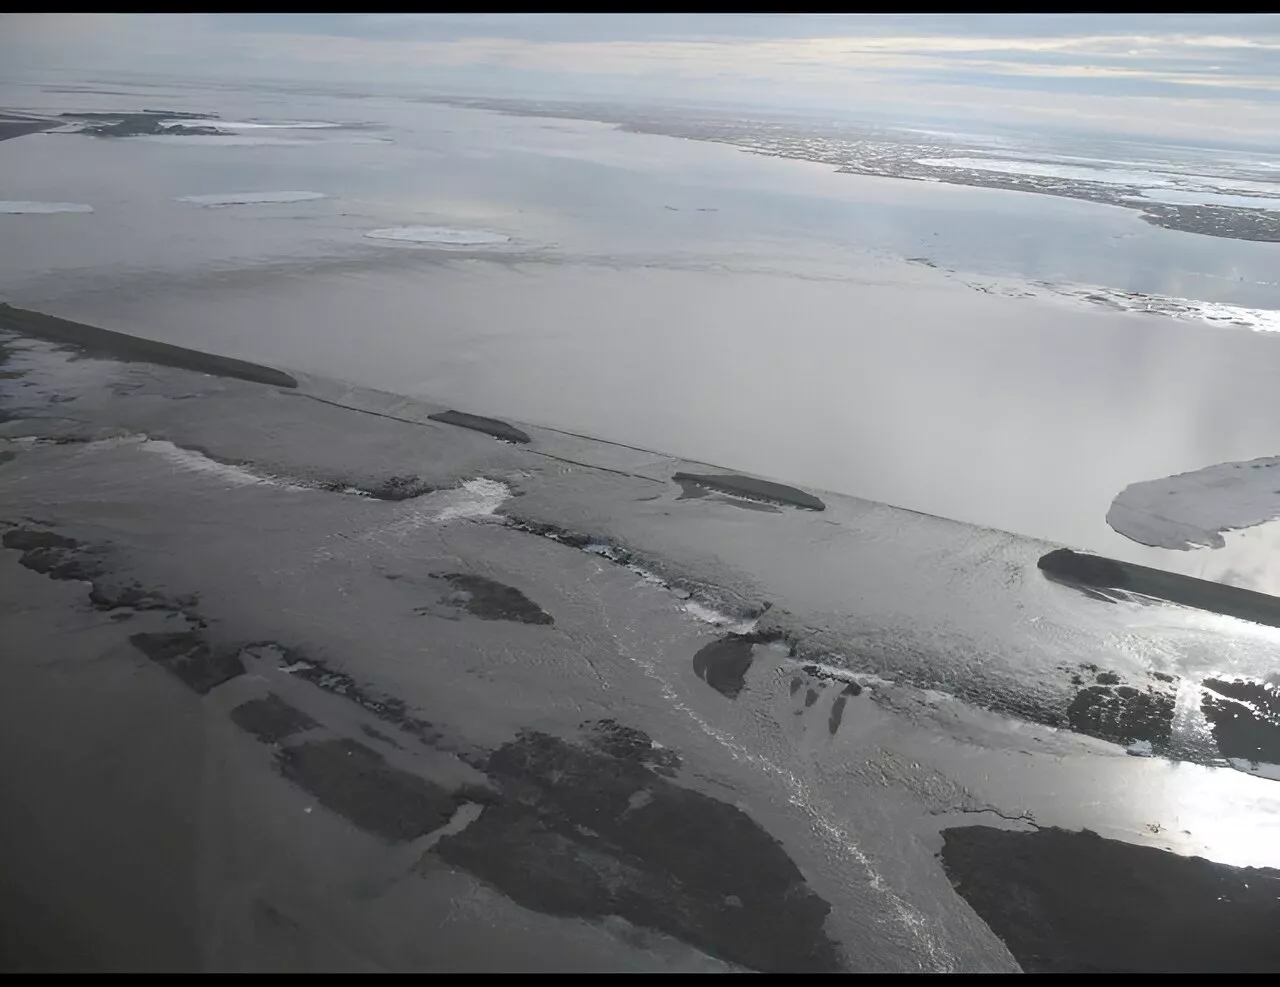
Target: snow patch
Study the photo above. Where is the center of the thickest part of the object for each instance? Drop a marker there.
(475, 498)
(1191, 510)
(442, 235)
(197, 462)
(250, 198)
(717, 619)
(11, 207)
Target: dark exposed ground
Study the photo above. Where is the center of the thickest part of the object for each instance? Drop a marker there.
(490, 600)
(749, 486)
(1245, 718)
(11, 127)
(357, 783)
(1123, 713)
(1068, 902)
(723, 664)
(121, 346)
(188, 657)
(579, 832)
(1096, 572)
(270, 718)
(490, 426)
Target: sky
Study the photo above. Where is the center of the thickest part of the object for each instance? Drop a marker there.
(1174, 75)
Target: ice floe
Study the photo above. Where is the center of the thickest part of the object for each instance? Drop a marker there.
(1190, 510)
(11, 207)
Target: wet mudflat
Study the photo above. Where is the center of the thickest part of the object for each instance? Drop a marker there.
(412, 733)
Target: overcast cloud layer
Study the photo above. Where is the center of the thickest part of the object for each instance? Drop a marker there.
(1183, 75)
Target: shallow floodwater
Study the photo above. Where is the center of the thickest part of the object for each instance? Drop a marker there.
(732, 308)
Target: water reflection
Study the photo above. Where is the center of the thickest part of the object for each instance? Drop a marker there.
(685, 296)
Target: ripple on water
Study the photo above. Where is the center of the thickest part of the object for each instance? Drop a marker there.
(440, 235)
(250, 198)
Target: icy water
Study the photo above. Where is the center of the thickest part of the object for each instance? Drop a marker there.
(922, 344)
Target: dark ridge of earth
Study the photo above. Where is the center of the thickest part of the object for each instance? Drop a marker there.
(1073, 902)
(749, 486)
(358, 784)
(580, 833)
(187, 656)
(1122, 713)
(490, 426)
(11, 127)
(1245, 718)
(134, 349)
(1096, 572)
(723, 664)
(271, 719)
(490, 600)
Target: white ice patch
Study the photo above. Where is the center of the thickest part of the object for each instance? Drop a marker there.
(1190, 510)
(475, 498)
(250, 198)
(1140, 748)
(442, 235)
(717, 619)
(196, 462)
(11, 207)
